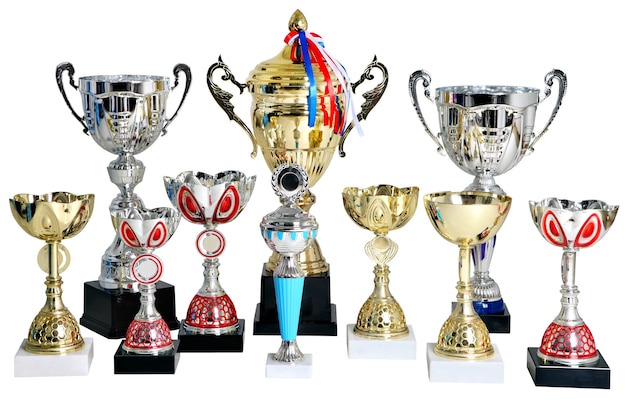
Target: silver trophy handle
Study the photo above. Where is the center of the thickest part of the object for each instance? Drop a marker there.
(371, 97)
(177, 69)
(549, 81)
(413, 79)
(66, 66)
(223, 97)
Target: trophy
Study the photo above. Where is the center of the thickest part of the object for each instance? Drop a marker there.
(486, 131)
(211, 324)
(54, 336)
(466, 219)
(567, 356)
(124, 114)
(302, 109)
(288, 231)
(148, 346)
(381, 331)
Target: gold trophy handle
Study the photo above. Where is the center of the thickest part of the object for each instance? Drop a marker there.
(413, 79)
(66, 66)
(177, 69)
(371, 97)
(223, 97)
(549, 81)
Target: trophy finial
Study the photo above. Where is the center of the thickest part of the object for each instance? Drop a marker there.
(298, 21)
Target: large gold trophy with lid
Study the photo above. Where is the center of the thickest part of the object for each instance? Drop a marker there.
(302, 110)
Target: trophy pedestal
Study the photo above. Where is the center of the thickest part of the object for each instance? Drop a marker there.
(131, 363)
(28, 364)
(364, 348)
(498, 323)
(442, 369)
(109, 313)
(194, 342)
(597, 376)
(295, 370)
(317, 315)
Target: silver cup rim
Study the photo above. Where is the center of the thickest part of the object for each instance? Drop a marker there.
(486, 89)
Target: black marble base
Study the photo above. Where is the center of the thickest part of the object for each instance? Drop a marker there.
(109, 312)
(498, 323)
(192, 342)
(130, 363)
(317, 315)
(597, 376)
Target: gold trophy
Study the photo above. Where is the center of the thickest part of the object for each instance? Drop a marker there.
(54, 334)
(302, 109)
(381, 331)
(466, 219)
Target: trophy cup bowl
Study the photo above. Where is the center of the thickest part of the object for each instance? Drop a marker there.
(381, 209)
(571, 225)
(466, 219)
(53, 217)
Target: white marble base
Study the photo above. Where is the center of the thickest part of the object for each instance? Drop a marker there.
(27, 364)
(442, 369)
(363, 348)
(296, 370)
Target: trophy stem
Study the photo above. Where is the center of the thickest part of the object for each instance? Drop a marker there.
(211, 285)
(147, 309)
(569, 291)
(487, 297)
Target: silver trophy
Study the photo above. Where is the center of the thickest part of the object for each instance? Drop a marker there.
(124, 114)
(486, 131)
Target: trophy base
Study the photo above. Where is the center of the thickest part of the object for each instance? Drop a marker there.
(109, 312)
(596, 376)
(364, 348)
(193, 342)
(442, 369)
(130, 363)
(28, 364)
(498, 323)
(317, 315)
(295, 370)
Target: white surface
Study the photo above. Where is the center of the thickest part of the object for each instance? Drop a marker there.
(363, 348)
(442, 369)
(296, 370)
(27, 364)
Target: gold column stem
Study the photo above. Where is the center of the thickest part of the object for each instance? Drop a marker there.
(54, 302)
(464, 287)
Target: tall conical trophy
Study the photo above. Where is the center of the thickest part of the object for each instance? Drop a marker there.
(55, 346)
(302, 109)
(211, 324)
(124, 114)
(465, 219)
(381, 330)
(568, 356)
(486, 131)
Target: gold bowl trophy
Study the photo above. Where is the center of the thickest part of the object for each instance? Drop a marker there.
(567, 356)
(125, 115)
(302, 109)
(55, 346)
(381, 331)
(466, 219)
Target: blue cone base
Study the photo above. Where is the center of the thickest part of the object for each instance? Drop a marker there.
(489, 307)
(288, 301)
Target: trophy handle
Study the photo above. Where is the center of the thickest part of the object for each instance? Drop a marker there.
(66, 66)
(413, 79)
(223, 97)
(177, 69)
(371, 97)
(549, 80)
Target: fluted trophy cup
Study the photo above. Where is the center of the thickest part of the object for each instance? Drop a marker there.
(466, 219)
(568, 356)
(381, 330)
(288, 231)
(148, 346)
(211, 324)
(302, 110)
(486, 131)
(124, 114)
(54, 346)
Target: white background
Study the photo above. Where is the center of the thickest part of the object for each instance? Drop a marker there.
(459, 43)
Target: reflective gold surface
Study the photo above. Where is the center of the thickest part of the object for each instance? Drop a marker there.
(465, 219)
(52, 218)
(380, 209)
